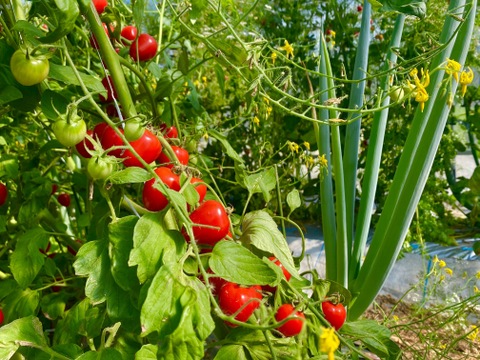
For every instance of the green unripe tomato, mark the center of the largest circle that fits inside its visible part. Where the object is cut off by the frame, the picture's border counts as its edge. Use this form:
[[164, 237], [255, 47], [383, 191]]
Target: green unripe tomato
[[28, 70], [69, 132], [100, 167]]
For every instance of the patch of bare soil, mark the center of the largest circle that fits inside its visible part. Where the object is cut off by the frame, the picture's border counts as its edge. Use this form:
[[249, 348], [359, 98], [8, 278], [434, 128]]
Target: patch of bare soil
[[429, 333]]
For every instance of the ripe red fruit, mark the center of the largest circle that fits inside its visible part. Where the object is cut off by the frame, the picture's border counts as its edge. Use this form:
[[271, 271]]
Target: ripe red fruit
[[3, 194], [286, 274], [111, 92], [148, 147], [291, 327], [169, 132], [182, 155], [108, 138], [85, 145], [64, 199], [143, 48], [239, 300], [100, 5], [215, 282], [1, 317], [359, 8], [153, 199], [335, 314], [211, 213], [129, 33], [200, 187]]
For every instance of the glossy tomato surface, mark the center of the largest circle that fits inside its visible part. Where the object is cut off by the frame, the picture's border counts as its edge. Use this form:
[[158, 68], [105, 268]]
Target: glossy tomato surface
[[211, 213], [100, 5], [143, 48], [108, 138], [335, 314], [28, 70], [128, 33], [293, 326], [239, 300], [64, 199], [200, 187], [148, 147], [153, 199], [85, 145], [3, 194], [182, 155], [169, 132]]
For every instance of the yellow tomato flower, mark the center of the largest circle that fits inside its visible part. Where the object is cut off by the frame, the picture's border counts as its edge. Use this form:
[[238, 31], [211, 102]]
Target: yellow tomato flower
[[435, 259], [267, 101], [269, 111], [332, 34], [475, 289], [466, 78], [256, 120], [449, 271], [477, 275], [293, 146], [205, 136], [442, 264], [473, 334], [309, 161], [329, 342], [273, 57], [204, 79], [421, 94], [395, 318], [307, 145], [453, 68], [288, 49], [322, 161]]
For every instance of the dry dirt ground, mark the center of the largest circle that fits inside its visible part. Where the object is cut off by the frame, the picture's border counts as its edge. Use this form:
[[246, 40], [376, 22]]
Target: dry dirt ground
[[429, 333]]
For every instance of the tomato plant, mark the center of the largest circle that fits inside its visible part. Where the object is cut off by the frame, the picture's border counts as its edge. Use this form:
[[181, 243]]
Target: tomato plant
[[169, 132], [27, 69], [182, 155], [100, 167], [129, 33], [286, 274], [200, 187], [293, 326], [70, 129], [93, 41], [144, 48], [100, 5], [3, 194], [86, 145], [335, 314], [148, 147], [210, 213], [64, 199], [239, 300], [109, 139], [153, 199]]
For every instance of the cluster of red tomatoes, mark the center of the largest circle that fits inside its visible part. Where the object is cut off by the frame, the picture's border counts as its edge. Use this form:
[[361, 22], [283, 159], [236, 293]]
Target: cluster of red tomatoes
[[143, 47]]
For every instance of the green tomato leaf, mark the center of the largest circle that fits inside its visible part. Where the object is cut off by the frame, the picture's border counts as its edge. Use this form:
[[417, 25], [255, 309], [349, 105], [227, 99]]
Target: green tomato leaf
[[474, 181], [229, 352], [9, 93], [375, 337], [27, 260], [103, 354], [53, 305], [263, 182], [183, 63], [21, 303], [25, 331], [66, 75], [130, 175], [226, 145], [261, 231], [293, 200], [220, 78], [237, 264], [416, 8], [120, 234], [147, 352], [66, 14], [53, 102], [152, 244]]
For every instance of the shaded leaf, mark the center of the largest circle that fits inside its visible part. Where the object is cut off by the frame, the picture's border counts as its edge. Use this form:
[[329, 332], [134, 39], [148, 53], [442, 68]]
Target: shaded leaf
[[226, 145], [66, 75], [130, 175]]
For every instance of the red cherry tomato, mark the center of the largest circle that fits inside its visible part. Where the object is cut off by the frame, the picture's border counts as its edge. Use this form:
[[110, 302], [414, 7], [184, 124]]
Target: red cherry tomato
[[108, 138], [153, 199], [169, 132], [291, 327], [85, 145], [200, 187], [215, 282], [148, 147], [211, 213], [143, 48], [3, 194], [240, 300], [286, 274], [129, 33], [111, 92], [335, 314], [100, 5], [54, 189], [1, 317], [182, 155], [64, 199]]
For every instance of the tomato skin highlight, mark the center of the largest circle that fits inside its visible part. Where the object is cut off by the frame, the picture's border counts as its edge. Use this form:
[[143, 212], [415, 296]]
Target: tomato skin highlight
[[64, 199], [293, 326], [3, 194], [335, 314], [28, 70], [144, 48], [182, 155], [153, 199], [148, 147], [211, 213], [233, 297]]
